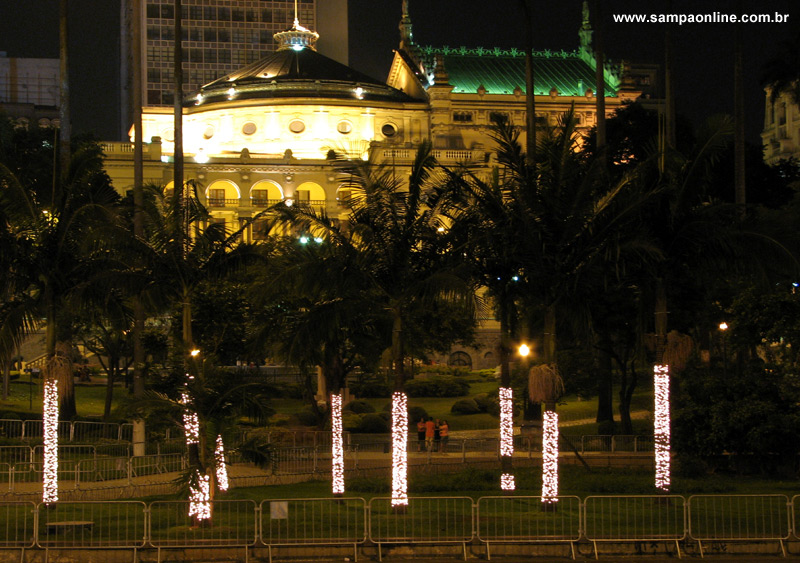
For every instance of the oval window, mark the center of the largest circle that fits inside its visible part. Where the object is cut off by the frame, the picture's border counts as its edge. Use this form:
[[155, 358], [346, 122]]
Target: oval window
[[389, 130], [344, 127], [297, 126], [249, 128]]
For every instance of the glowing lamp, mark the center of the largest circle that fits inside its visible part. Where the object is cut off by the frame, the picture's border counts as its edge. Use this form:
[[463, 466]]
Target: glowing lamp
[[661, 430], [194, 353], [549, 457], [337, 448], [723, 326], [524, 350], [399, 453], [50, 419]]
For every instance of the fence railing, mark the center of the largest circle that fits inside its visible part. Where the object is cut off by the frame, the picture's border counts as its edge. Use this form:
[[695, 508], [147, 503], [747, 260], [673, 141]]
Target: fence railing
[[71, 431], [455, 521]]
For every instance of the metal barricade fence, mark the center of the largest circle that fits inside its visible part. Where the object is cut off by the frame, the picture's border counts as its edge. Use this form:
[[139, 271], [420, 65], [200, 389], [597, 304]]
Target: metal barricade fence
[[634, 518], [17, 524], [739, 517], [67, 453], [235, 525], [88, 524], [795, 519], [157, 464], [425, 520], [527, 520], [5, 475], [320, 521], [83, 431], [102, 469], [126, 432], [297, 461], [32, 472], [10, 428], [114, 450], [15, 454]]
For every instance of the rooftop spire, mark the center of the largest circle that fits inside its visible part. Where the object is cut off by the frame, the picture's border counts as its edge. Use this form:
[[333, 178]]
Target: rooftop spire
[[297, 37], [406, 35], [585, 32]]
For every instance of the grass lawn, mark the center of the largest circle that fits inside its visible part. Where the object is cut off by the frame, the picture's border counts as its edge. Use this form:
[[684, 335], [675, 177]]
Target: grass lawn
[[25, 396]]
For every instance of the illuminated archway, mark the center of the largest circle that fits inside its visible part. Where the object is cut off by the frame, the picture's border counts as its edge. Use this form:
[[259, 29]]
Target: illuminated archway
[[265, 192], [310, 192], [222, 193]]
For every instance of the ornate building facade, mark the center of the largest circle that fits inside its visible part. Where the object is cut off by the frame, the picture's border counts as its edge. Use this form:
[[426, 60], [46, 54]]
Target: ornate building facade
[[263, 133], [781, 133]]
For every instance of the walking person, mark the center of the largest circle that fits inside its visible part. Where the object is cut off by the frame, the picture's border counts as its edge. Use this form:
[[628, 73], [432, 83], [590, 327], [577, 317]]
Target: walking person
[[429, 432], [444, 433], [420, 434]]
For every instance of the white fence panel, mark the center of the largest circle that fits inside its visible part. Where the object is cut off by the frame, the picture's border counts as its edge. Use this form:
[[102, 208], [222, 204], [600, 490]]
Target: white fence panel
[[17, 524], [313, 521], [234, 524]]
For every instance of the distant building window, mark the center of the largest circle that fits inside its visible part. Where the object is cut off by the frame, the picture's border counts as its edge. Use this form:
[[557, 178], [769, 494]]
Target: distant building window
[[297, 126], [389, 130], [498, 117], [260, 229], [462, 116]]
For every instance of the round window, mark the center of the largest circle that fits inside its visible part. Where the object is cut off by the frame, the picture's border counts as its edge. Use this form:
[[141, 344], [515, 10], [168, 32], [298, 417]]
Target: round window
[[297, 126], [344, 127], [208, 132], [389, 130], [249, 128]]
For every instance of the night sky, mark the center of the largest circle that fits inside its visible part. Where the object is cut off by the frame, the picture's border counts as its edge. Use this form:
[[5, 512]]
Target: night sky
[[703, 61]]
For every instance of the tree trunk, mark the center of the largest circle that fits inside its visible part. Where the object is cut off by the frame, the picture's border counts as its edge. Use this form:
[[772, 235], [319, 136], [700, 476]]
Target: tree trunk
[[65, 128], [178, 105], [111, 371], [549, 338], [605, 382], [398, 361], [661, 319], [61, 369], [600, 83], [626, 389], [739, 119], [669, 84], [530, 100]]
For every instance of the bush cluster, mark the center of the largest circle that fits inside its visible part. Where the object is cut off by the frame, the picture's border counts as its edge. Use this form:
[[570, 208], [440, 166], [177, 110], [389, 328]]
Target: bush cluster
[[437, 387], [371, 389]]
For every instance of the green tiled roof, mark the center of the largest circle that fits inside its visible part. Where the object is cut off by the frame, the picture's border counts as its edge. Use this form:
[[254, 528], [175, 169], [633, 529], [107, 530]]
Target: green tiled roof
[[501, 71]]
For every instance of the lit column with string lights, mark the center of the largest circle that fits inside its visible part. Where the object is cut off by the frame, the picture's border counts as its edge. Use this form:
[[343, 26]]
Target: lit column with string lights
[[200, 496], [549, 457], [337, 445], [221, 468], [50, 469], [662, 427], [399, 451], [507, 482]]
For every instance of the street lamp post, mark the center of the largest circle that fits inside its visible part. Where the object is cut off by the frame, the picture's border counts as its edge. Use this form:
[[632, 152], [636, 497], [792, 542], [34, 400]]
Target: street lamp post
[[723, 326]]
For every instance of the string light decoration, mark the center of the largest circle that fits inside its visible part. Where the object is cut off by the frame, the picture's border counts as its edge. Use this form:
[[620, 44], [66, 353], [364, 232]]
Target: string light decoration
[[222, 470], [50, 470], [337, 449], [191, 424], [661, 430], [506, 422], [507, 482], [399, 453], [200, 498], [549, 457]]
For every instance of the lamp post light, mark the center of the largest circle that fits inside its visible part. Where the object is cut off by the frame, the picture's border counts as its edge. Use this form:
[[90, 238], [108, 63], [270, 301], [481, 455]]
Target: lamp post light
[[723, 326], [524, 350]]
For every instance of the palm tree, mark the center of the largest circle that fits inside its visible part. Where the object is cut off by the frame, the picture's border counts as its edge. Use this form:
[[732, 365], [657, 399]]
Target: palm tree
[[536, 233], [394, 237], [54, 225]]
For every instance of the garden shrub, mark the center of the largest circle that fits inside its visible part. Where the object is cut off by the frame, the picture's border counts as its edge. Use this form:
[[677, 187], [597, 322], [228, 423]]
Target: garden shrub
[[415, 413], [307, 417], [351, 421], [465, 406], [359, 407], [371, 389], [372, 423], [437, 387], [483, 401]]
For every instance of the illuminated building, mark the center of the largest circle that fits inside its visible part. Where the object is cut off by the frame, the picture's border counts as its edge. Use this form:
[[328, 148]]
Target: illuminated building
[[781, 133], [262, 133]]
